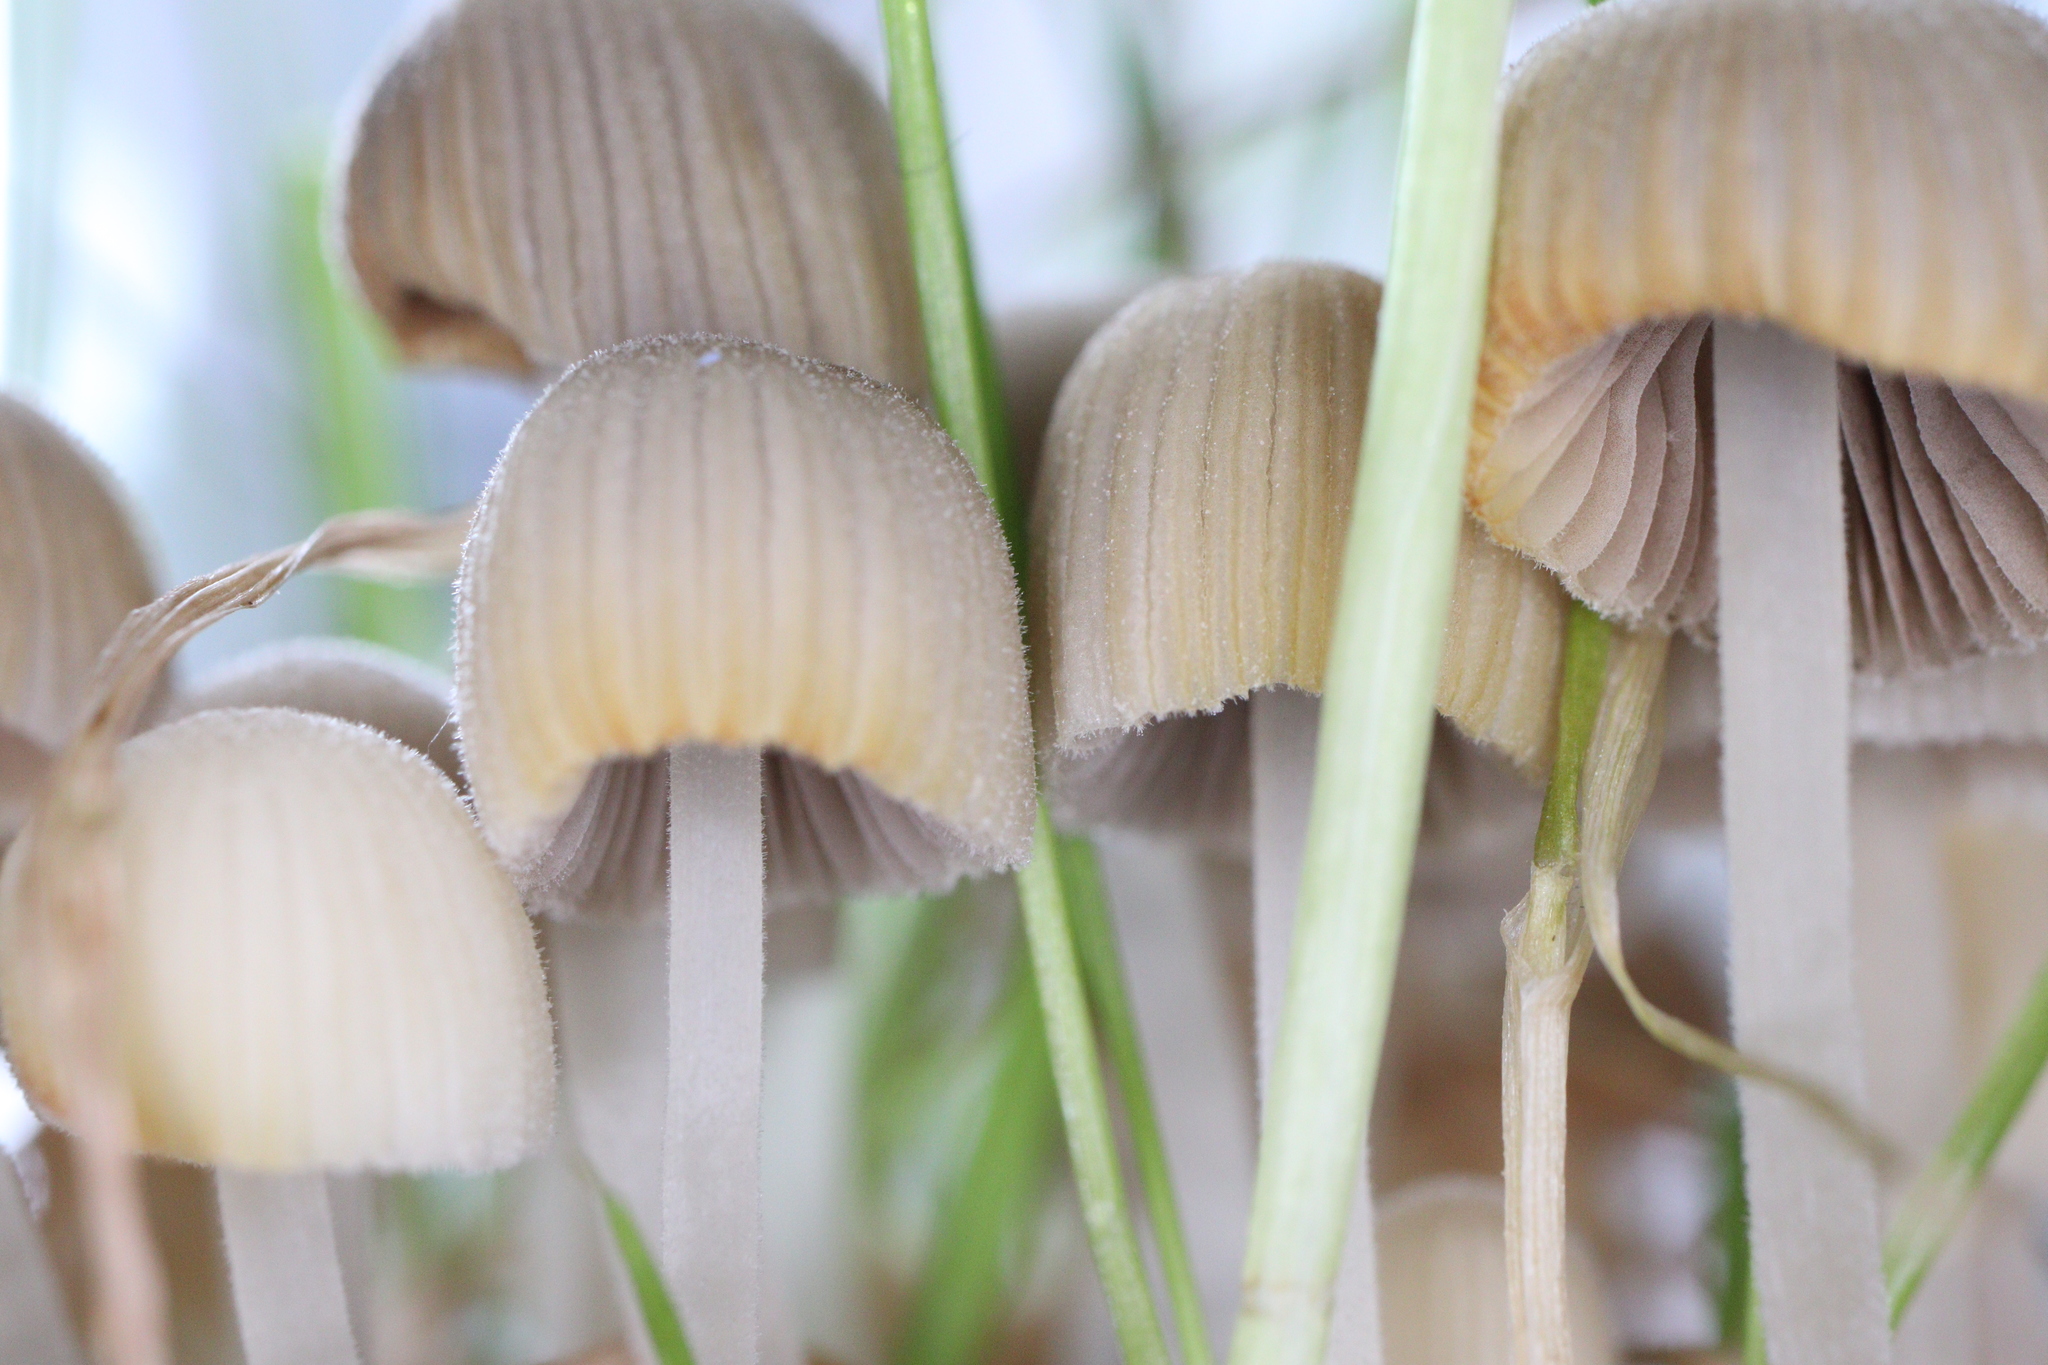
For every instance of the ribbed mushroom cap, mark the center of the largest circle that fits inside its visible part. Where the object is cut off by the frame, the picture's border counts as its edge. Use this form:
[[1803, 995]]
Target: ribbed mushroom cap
[[319, 965], [71, 568], [1442, 1252], [532, 180], [708, 541], [1868, 174], [353, 680], [1188, 532]]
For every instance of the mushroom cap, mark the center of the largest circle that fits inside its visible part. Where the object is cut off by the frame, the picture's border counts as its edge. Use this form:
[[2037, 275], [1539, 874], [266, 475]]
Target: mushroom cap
[[354, 680], [1188, 532], [319, 964], [709, 541], [1442, 1255], [730, 172], [71, 569], [1865, 173]]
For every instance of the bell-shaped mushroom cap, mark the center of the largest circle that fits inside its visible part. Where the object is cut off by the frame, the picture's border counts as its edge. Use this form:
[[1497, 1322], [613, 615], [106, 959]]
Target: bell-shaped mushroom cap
[[318, 963], [1188, 533], [1442, 1253], [708, 541], [1671, 160], [71, 569], [533, 180], [352, 680]]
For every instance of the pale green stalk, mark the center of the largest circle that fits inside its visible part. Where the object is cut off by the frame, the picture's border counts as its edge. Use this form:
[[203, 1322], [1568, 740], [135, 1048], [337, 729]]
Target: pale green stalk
[[1377, 696], [657, 1312], [1102, 969], [1942, 1192], [967, 393]]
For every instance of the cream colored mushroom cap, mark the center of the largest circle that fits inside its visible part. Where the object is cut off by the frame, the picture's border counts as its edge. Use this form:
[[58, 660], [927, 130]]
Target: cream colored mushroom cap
[[319, 964], [533, 180], [1866, 173], [392, 693], [708, 541], [1187, 540], [71, 569], [1442, 1256]]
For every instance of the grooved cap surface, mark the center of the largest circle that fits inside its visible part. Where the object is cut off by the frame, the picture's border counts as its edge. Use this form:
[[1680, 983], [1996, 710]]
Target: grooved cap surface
[[533, 180], [1868, 173], [1188, 534], [71, 569], [319, 963], [709, 541], [354, 680]]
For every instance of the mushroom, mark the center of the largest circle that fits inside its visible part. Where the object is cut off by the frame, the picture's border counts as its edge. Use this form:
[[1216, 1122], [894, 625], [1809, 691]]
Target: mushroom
[[71, 567], [354, 680], [1762, 361], [1187, 530], [533, 180], [768, 593], [63, 892], [320, 968], [1442, 1245]]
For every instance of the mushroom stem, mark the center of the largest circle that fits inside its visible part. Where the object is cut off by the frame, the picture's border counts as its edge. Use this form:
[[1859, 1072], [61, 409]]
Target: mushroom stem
[[290, 1301], [1547, 951], [711, 1151], [33, 1325], [1784, 633], [1284, 724], [610, 988]]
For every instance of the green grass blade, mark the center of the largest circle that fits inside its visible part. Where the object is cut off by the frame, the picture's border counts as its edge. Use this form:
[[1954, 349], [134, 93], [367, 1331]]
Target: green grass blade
[[664, 1326], [966, 388], [968, 396], [1940, 1195], [1102, 969], [1377, 697], [1084, 1103], [1584, 682]]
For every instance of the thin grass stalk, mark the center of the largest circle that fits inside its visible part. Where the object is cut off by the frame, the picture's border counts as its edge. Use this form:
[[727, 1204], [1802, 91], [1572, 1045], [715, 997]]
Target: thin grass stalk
[[1377, 698], [967, 394], [1548, 948], [1102, 971], [1940, 1195]]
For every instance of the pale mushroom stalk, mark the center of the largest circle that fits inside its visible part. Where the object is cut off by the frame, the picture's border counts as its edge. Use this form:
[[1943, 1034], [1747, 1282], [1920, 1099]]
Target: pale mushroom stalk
[[1547, 952], [711, 1144], [284, 1268], [967, 394], [1784, 631]]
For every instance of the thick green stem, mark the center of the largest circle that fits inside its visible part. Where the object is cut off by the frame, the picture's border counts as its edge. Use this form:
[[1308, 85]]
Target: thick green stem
[[1377, 697], [1941, 1193], [967, 394], [1102, 969]]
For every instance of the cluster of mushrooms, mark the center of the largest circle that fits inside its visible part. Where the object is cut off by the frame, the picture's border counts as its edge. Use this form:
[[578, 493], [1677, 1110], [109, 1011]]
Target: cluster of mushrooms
[[1757, 551]]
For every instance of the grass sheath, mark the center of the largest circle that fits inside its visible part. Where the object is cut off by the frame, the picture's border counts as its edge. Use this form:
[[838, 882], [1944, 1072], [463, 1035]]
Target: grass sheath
[[966, 392], [1940, 1195], [1547, 948], [1377, 698]]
